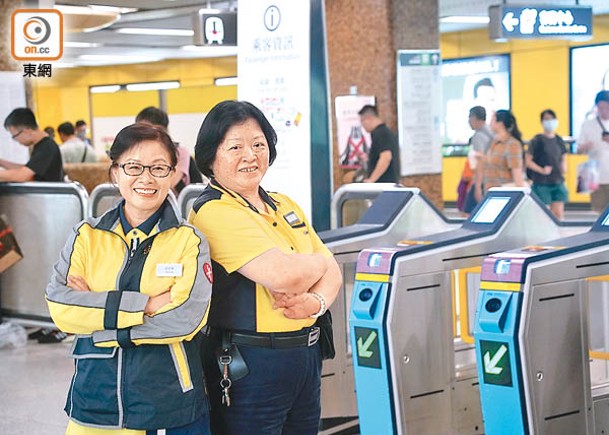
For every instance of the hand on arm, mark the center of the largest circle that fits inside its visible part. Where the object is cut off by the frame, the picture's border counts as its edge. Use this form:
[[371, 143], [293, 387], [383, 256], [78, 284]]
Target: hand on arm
[[285, 273], [306, 305], [544, 170]]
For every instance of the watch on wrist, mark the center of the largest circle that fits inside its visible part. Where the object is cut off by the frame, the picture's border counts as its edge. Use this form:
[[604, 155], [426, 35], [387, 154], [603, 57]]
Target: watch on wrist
[[323, 307]]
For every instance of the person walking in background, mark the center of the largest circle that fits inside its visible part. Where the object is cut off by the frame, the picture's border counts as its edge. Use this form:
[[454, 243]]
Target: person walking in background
[[502, 165], [594, 140], [479, 145], [384, 156], [45, 163], [545, 157], [133, 285], [82, 131], [186, 168], [74, 150], [273, 277]]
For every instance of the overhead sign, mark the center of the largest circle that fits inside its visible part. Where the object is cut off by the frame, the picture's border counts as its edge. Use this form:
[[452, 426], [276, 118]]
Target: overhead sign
[[215, 29], [496, 361], [528, 22], [368, 351]]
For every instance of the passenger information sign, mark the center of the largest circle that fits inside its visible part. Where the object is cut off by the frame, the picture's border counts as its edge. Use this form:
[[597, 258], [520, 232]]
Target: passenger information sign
[[496, 363], [507, 22], [368, 351]]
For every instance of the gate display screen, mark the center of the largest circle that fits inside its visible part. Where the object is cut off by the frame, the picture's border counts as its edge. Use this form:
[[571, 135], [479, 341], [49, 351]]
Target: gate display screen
[[490, 210]]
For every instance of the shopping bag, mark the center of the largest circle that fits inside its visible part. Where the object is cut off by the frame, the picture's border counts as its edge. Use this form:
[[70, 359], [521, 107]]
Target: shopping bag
[[587, 177], [9, 249]]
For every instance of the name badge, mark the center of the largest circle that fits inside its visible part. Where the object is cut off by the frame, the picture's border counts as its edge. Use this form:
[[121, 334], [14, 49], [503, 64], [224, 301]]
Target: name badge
[[293, 219], [169, 269]]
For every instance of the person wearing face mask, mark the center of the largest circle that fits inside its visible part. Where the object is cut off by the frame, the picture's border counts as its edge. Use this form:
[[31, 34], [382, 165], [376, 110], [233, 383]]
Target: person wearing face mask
[[545, 158], [81, 131]]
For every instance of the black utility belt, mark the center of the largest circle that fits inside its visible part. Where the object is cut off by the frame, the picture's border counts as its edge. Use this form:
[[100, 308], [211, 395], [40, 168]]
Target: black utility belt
[[276, 340]]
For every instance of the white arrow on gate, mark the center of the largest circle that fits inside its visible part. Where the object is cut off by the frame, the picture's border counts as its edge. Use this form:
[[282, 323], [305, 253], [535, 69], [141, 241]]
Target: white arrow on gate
[[490, 364], [510, 21], [363, 346]]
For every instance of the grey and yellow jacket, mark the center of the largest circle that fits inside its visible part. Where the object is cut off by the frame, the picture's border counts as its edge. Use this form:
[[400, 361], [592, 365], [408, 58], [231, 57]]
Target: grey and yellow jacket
[[132, 370]]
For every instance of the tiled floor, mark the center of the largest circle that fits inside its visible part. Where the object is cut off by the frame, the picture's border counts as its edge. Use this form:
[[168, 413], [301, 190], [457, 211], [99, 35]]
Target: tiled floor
[[34, 381]]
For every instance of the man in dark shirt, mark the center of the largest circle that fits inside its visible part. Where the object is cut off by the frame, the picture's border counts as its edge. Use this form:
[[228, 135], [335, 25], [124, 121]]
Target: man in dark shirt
[[45, 162], [384, 156]]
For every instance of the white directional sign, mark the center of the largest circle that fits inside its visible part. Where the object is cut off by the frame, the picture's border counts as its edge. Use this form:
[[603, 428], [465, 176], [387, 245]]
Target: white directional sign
[[540, 21]]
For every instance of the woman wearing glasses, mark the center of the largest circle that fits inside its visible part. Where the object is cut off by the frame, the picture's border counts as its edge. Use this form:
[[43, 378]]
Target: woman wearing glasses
[[133, 285]]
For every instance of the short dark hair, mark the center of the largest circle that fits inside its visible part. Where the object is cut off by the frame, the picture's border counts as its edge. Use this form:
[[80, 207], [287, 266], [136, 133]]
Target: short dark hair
[[66, 128], [602, 96], [80, 123], [216, 124], [368, 109], [547, 112], [478, 112], [134, 134], [153, 116], [21, 117], [482, 82]]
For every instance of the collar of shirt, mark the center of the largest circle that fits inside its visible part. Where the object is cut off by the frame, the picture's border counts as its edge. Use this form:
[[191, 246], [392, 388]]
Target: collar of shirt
[[244, 202], [146, 226]]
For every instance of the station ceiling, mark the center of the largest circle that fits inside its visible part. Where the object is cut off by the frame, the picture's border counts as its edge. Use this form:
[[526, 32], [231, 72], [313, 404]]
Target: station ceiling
[[110, 46]]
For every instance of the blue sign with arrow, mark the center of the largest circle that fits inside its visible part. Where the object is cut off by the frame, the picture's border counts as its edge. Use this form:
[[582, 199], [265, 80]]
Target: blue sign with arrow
[[529, 22]]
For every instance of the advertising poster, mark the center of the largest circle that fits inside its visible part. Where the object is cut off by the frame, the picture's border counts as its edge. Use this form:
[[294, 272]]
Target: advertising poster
[[589, 75], [477, 81], [419, 94], [353, 141], [274, 75]]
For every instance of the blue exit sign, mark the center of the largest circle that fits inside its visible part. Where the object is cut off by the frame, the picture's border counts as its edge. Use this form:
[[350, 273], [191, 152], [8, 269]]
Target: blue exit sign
[[530, 22]]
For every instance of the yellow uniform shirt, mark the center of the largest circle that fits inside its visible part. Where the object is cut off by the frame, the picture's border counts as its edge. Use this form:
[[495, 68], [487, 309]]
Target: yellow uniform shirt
[[237, 233]]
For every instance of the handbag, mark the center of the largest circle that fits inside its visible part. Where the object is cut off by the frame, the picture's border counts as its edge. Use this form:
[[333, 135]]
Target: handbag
[[326, 336], [9, 249]]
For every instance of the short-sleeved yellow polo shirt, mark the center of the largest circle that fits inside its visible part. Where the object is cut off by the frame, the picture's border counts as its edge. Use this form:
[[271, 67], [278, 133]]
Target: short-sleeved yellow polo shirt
[[237, 233]]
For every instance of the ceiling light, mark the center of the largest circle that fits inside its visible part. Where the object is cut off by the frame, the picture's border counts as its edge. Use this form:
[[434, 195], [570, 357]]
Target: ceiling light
[[225, 81], [111, 59], [114, 9], [152, 31], [152, 86], [74, 44], [107, 89], [465, 19]]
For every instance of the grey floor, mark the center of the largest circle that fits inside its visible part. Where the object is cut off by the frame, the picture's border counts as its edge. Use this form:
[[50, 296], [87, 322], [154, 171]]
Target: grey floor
[[34, 381]]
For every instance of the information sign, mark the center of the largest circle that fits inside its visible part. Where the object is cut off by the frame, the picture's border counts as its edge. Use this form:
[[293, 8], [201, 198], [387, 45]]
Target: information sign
[[507, 22]]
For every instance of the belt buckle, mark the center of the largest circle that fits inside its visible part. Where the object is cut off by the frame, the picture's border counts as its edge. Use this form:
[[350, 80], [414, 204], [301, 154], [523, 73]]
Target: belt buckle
[[313, 336]]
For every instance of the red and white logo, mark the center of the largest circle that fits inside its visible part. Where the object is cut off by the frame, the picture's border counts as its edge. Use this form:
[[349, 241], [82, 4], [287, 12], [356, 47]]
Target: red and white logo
[[209, 274]]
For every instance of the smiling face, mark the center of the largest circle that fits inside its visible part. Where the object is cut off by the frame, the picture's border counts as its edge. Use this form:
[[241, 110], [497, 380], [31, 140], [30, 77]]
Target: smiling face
[[242, 158], [144, 193]]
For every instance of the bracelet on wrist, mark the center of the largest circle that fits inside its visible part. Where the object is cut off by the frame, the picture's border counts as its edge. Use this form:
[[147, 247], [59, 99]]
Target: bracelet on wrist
[[323, 307]]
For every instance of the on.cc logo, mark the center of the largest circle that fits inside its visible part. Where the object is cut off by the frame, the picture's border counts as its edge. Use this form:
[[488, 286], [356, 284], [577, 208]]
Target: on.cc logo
[[36, 30]]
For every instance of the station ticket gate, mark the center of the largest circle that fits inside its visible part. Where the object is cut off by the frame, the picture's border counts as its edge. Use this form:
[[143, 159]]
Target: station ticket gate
[[536, 321], [395, 213], [42, 216], [401, 319]]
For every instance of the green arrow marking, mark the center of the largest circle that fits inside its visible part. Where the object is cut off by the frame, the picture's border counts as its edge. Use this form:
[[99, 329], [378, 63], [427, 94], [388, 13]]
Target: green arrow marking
[[362, 347], [490, 364]]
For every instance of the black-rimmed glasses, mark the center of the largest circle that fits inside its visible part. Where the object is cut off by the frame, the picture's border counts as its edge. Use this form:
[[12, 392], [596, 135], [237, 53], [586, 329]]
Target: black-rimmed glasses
[[16, 134], [137, 169]]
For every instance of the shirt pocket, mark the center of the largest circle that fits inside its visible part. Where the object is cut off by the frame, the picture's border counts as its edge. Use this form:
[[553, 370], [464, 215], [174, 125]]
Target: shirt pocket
[[84, 348]]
